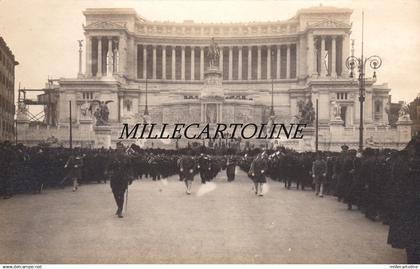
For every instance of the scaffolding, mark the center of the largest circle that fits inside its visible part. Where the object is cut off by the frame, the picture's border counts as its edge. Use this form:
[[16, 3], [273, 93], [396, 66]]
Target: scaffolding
[[47, 98]]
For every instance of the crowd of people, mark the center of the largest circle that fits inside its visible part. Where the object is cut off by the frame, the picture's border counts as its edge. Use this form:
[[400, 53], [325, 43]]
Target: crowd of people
[[383, 184]]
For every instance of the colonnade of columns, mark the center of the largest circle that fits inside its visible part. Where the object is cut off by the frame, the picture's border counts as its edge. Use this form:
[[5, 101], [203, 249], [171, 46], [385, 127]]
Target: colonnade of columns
[[327, 55], [262, 62], [103, 55]]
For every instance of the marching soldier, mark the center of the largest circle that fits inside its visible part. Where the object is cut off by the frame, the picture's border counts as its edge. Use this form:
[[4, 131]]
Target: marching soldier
[[204, 167], [119, 180], [186, 168], [75, 163], [257, 172]]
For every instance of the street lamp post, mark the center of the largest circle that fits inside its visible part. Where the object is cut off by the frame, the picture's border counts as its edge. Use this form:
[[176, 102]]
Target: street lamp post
[[361, 63], [146, 110], [272, 86]]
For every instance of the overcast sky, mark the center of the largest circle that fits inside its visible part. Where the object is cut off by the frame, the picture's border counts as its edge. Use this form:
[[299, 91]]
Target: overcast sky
[[42, 33]]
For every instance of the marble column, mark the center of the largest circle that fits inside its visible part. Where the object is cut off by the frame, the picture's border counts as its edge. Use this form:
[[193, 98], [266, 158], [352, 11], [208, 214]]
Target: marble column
[[88, 70], [268, 62], [99, 74], [278, 62], [310, 54], [249, 62], [183, 63], [221, 61], [259, 63], [297, 48], [333, 57], [202, 113], [288, 62], [173, 63], [344, 54], [134, 58], [192, 63], [122, 48], [201, 63], [144, 61], [239, 63], [322, 60], [154, 62], [109, 59], [121, 106], [164, 62], [230, 63]]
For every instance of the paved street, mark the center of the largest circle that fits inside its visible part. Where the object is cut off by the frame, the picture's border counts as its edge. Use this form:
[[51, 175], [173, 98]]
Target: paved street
[[220, 223]]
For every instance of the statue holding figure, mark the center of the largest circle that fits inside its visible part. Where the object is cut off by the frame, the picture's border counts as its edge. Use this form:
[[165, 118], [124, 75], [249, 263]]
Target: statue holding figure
[[213, 54], [101, 112]]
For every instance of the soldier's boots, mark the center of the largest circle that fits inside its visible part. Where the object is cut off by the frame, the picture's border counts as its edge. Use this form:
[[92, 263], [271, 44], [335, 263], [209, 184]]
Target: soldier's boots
[[189, 188], [119, 213]]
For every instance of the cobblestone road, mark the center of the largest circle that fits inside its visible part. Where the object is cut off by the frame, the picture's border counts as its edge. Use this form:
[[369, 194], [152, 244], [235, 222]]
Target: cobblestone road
[[220, 223]]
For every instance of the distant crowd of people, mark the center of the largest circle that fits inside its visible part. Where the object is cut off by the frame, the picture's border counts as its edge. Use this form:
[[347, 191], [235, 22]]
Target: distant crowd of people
[[383, 184]]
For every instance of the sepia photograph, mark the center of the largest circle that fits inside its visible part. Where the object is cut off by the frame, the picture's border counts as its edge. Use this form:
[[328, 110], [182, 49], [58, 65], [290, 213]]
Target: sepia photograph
[[139, 132]]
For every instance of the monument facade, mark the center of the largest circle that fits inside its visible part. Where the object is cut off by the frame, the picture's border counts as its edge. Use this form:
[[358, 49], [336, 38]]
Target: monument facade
[[171, 72]]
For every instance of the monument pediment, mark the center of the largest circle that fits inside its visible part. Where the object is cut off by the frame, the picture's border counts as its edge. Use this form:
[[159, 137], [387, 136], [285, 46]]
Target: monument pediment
[[328, 24], [108, 25]]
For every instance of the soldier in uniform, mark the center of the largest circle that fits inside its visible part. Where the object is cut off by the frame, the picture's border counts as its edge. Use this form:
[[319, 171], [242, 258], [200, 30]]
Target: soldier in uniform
[[37, 170], [343, 167], [354, 195], [186, 168], [257, 172], [230, 168], [154, 167], [75, 164], [180, 171], [319, 168], [204, 167], [119, 180], [329, 188], [288, 169]]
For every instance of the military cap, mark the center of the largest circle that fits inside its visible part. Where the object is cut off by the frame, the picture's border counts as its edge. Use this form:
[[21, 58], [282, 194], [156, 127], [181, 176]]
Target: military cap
[[344, 147]]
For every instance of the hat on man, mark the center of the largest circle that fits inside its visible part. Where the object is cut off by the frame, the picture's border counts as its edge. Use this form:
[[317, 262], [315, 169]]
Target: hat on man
[[344, 147]]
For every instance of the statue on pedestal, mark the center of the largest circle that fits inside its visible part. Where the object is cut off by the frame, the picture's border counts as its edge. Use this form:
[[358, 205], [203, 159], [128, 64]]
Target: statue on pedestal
[[213, 54], [404, 113], [336, 111], [306, 112]]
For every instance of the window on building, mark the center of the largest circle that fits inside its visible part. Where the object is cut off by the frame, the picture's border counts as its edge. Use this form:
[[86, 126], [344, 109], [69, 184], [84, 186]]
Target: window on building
[[87, 95], [342, 96]]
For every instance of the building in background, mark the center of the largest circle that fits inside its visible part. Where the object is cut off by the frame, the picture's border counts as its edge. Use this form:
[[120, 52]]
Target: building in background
[[7, 92], [269, 71]]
